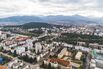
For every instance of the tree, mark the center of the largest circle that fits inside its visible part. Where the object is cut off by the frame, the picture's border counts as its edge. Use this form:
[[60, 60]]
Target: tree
[[42, 47], [38, 52], [15, 53], [49, 66], [43, 65], [83, 58], [1, 48], [26, 49]]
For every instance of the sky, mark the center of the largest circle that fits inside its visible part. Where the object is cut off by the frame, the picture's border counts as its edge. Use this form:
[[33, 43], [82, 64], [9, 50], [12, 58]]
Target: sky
[[90, 8]]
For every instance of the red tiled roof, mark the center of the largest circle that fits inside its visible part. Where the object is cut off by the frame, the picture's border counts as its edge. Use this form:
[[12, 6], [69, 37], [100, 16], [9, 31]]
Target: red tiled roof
[[20, 38], [60, 61], [3, 67]]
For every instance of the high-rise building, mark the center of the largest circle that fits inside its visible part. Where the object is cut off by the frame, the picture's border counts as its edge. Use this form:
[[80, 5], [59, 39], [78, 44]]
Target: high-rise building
[[38, 47]]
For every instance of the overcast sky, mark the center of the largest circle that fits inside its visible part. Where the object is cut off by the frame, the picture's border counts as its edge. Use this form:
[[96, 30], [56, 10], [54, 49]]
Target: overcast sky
[[93, 8]]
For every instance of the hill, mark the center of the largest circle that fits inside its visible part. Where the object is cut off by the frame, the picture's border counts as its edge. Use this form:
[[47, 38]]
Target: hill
[[54, 19], [36, 25], [20, 19], [32, 25]]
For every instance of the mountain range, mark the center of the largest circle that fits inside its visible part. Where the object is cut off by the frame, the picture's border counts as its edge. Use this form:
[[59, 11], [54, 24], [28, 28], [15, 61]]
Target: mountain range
[[57, 19]]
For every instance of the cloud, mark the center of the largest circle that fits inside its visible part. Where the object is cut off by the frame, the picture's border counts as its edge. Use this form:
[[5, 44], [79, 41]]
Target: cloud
[[51, 7], [60, 1]]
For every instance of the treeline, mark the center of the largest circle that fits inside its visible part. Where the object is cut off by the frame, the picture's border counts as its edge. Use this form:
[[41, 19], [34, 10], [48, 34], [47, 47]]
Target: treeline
[[73, 38]]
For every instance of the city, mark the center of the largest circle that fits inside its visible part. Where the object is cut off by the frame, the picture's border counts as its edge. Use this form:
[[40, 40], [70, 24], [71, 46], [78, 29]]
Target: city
[[70, 47], [51, 34]]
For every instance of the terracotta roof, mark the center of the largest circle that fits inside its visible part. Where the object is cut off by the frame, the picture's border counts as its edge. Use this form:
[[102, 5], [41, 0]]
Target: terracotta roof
[[59, 61], [22, 38], [3, 67]]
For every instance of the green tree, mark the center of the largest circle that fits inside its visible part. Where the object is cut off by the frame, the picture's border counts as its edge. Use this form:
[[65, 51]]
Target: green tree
[[49, 66], [15, 53], [1, 48]]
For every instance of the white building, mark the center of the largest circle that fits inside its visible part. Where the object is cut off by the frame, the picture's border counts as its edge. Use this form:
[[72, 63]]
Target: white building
[[38, 47], [62, 53], [78, 55], [29, 43], [3, 36], [20, 50]]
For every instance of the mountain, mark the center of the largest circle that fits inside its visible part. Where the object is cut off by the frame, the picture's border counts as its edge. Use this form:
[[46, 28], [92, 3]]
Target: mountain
[[36, 25], [65, 18], [57, 19], [75, 19], [33, 25], [20, 19]]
